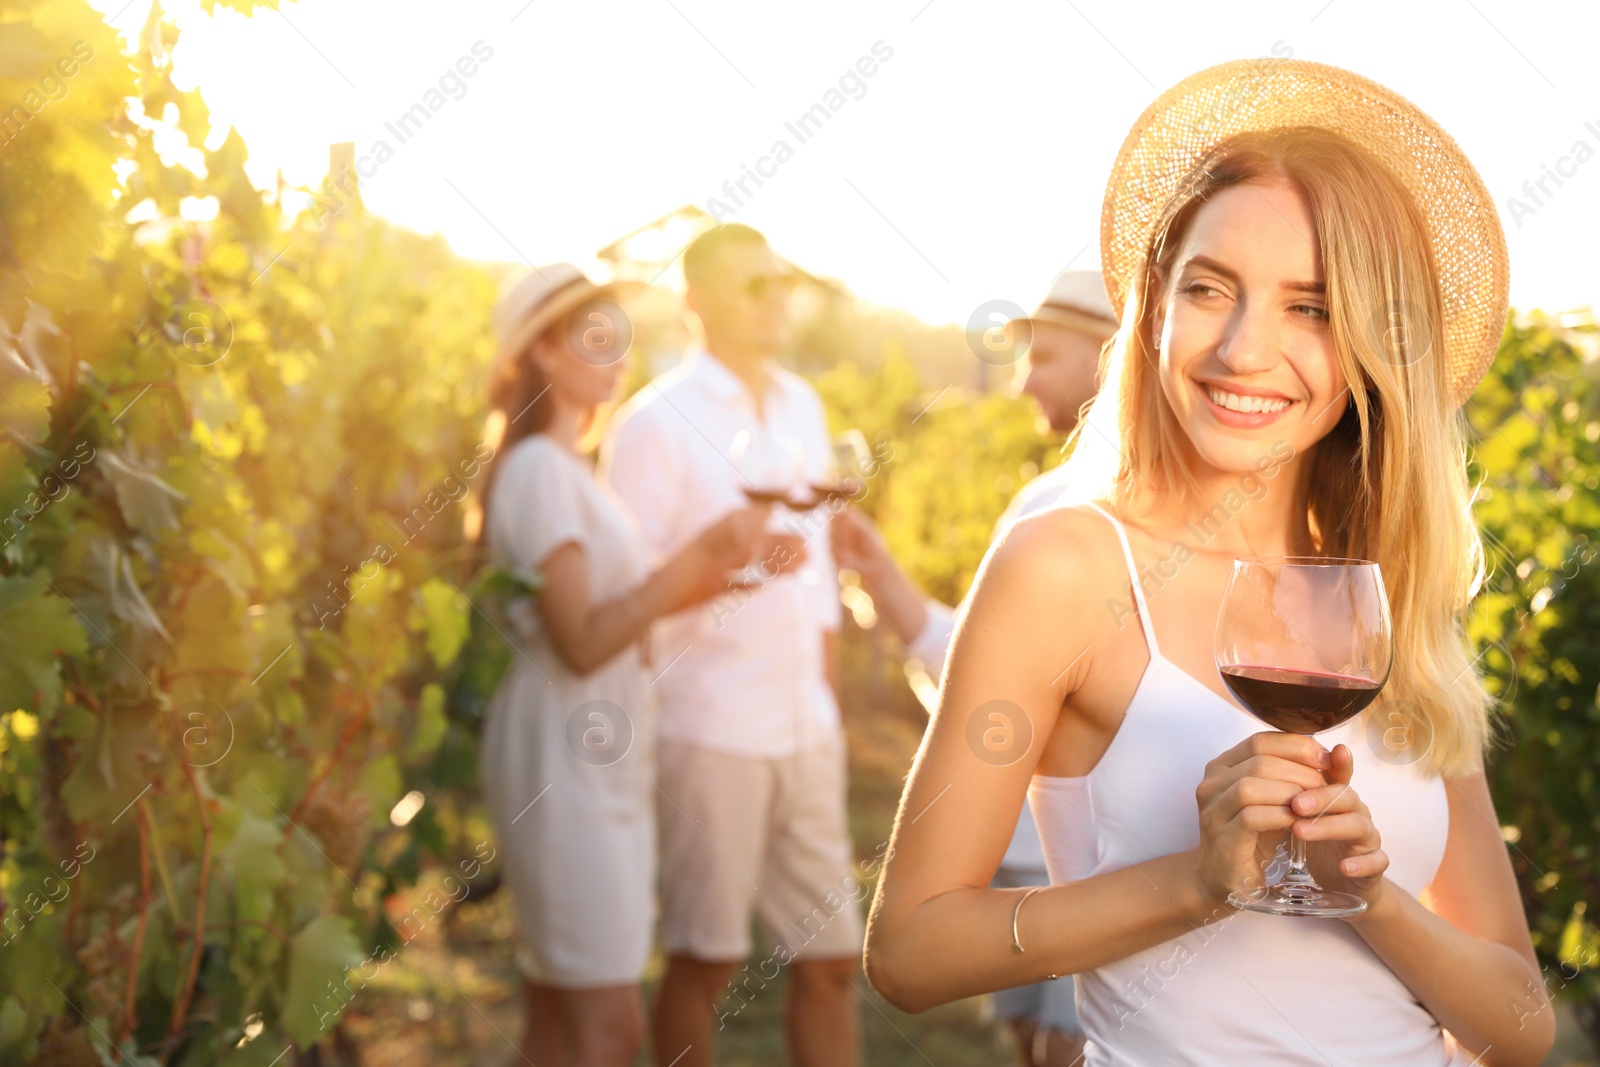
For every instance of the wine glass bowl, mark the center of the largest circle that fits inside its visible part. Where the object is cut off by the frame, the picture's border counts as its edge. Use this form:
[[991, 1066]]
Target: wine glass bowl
[[848, 463], [772, 467], [1304, 643]]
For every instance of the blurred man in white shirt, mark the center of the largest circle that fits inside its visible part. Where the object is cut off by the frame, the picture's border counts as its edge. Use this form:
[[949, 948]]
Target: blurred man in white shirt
[[1058, 371], [751, 807]]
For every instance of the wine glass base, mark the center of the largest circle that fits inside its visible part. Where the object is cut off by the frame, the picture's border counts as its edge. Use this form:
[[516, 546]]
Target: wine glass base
[[1310, 901]]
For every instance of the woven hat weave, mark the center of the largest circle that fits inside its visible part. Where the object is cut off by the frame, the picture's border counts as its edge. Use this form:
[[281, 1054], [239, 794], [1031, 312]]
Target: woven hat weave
[[535, 298], [1192, 117]]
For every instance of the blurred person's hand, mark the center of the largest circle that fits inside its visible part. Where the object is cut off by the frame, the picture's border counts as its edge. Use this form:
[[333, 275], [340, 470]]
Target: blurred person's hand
[[858, 546], [730, 542], [780, 552]]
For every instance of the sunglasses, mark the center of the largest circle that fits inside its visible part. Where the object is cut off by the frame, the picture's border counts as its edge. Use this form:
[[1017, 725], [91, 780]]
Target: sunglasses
[[763, 285]]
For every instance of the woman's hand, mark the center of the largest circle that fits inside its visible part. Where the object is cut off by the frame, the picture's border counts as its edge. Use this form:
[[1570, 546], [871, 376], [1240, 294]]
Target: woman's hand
[[722, 547], [1343, 849], [730, 542], [738, 539], [857, 544], [1244, 801]]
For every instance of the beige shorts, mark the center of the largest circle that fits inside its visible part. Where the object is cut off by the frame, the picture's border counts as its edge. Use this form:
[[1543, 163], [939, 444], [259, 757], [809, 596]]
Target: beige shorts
[[765, 835]]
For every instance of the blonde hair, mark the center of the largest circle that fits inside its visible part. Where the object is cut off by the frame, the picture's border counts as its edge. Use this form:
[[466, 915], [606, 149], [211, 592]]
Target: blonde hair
[[1389, 482]]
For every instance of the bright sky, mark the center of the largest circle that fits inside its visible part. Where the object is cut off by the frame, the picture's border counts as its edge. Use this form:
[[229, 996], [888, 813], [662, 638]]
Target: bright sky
[[971, 169]]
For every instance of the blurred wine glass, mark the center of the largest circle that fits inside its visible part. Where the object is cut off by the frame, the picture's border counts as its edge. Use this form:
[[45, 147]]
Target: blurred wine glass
[[772, 466], [848, 464]]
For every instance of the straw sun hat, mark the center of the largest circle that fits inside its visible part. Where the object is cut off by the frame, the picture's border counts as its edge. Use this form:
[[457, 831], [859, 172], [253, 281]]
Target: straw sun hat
[[1189, 119], [533, 300]]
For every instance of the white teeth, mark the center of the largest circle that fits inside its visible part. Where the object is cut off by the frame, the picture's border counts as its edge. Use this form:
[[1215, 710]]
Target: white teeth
[[1246, 404]]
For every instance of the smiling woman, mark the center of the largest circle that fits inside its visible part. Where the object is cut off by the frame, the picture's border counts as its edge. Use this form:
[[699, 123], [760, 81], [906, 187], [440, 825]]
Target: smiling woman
[[1288, 278]]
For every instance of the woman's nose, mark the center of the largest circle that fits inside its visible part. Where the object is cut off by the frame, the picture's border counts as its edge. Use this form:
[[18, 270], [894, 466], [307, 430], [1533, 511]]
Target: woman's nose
[[1250, 341]]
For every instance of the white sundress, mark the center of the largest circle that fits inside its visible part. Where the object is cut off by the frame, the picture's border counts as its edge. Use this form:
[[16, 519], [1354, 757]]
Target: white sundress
[[568, 761]]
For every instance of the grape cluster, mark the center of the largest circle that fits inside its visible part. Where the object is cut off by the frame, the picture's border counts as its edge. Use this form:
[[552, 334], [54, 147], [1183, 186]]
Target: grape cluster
[[339, 821], [104, 965]]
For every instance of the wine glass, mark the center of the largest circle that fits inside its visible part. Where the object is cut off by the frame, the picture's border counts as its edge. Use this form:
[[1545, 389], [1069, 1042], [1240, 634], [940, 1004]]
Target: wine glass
[[848, 467], [772, 466], [772, 469], [1305, 643]]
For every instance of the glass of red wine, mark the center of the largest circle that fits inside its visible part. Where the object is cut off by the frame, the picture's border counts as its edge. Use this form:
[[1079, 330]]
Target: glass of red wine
[[771, 466], [771, 469], [1305, 643], [848, 464]]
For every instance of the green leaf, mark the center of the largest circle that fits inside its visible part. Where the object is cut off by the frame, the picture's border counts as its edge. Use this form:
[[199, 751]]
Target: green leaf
[[257, 867], [147, 502], [318, 955], [12, 1021], [381, 782], [444, 614], [24, 397], [35, 626], [431, 721]]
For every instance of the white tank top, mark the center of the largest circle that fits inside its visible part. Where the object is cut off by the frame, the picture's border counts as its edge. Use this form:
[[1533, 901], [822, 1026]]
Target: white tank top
[[1246, 990]]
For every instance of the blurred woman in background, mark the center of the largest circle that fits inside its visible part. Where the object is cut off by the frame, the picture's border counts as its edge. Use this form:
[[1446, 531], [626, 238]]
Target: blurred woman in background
[[568, 747]]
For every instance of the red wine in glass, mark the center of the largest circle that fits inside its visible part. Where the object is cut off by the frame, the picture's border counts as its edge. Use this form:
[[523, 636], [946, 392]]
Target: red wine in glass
[[1299, 702], [1305, 643], [830, 492], [767, 496]]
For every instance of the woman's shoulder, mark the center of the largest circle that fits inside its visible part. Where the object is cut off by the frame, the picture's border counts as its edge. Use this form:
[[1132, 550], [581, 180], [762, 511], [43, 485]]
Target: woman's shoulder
[[537, 451], [1059, 550], [539, 464], [1066, 533]]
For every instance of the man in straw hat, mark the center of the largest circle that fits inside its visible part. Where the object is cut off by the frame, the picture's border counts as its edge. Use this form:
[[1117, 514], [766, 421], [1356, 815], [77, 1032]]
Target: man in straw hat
[[1061, 344], [752, 756]]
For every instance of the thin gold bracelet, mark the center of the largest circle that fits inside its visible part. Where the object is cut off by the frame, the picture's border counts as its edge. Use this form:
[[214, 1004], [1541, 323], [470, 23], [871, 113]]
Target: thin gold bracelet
[[1016, 913]]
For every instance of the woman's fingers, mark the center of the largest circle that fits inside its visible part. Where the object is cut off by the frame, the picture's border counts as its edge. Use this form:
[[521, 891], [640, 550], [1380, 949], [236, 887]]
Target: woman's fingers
[[1327, 800], [1366, 866], [1263, 818], [1298, 748], [1256, 805], [1352, 826], [1286, 770], [1343, 765], [1222, 777], [1250, 792]]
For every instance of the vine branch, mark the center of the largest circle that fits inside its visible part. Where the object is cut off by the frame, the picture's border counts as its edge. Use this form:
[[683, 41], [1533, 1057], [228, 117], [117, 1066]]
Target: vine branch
[[180, 1007]]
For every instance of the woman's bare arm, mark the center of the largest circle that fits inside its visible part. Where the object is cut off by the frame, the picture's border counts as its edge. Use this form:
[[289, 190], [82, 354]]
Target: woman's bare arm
[[937, 932], [587, 634], [1469, 959]]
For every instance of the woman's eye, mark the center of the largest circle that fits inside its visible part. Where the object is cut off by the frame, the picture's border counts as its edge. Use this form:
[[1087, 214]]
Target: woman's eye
[[1199, 289], [1312, 311]]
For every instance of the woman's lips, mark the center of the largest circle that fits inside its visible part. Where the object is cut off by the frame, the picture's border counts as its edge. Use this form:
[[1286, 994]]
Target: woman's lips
[[1244, 420]]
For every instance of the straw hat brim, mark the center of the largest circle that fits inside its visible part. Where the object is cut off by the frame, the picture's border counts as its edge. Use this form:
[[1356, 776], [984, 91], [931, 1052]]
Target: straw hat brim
[[557, 307], [1192, 117]]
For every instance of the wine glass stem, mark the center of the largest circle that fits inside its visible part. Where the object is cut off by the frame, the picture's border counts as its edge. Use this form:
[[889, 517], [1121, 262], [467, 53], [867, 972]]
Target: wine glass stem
[[1297, 862]]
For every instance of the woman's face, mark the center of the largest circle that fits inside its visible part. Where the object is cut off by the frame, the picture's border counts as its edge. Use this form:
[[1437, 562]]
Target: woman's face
[[1247, 360], [578, 360]]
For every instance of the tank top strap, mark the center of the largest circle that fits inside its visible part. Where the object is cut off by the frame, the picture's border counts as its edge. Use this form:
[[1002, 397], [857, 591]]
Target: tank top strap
[[1133, 578]]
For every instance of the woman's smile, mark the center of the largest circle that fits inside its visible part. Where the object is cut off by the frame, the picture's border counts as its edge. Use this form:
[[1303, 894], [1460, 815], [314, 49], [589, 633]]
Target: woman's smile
[[1242, 407]]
